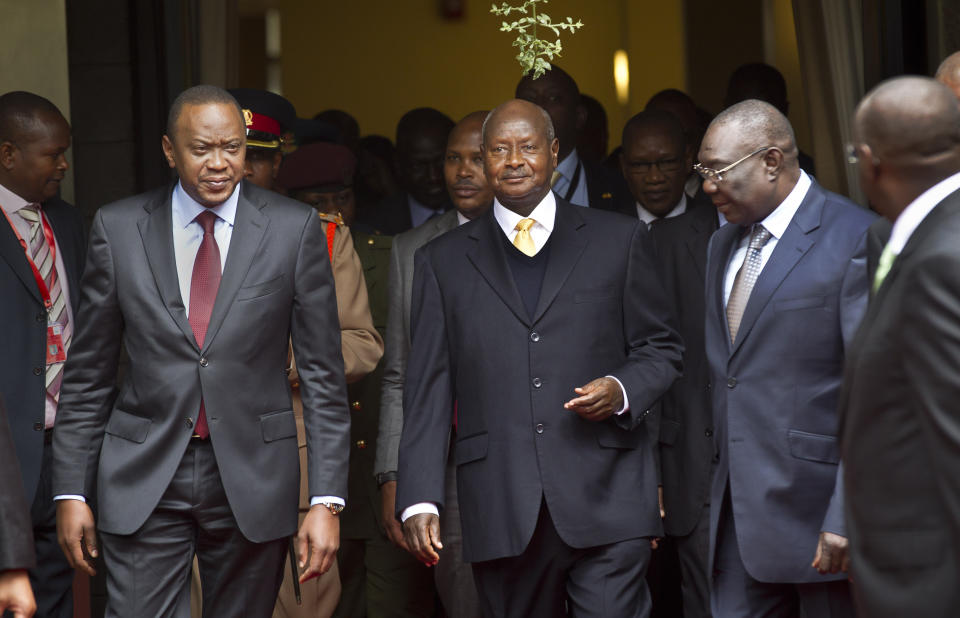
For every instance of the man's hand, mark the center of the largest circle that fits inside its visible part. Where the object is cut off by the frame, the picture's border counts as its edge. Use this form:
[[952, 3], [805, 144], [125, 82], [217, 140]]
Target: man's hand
[[832, 554], [317, 542], [388, 506], [422, 534], [663, 512], [16, 596], [76, 534], [598, 400]]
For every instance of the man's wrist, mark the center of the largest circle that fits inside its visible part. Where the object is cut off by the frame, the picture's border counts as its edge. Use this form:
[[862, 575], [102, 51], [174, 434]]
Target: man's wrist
[[419, 508], [69, 497]]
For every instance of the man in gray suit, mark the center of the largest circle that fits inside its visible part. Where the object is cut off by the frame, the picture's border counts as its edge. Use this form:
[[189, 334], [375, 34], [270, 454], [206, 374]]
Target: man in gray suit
[[472, 196], [786, 287], [203, 283]]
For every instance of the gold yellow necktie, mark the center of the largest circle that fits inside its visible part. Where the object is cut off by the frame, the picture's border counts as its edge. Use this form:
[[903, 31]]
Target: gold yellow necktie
[[523, 240], [883, 267], [555, 177]]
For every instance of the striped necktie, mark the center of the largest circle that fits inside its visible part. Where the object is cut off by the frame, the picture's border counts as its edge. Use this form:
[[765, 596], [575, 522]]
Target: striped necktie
[[43, 258], [745, 279]]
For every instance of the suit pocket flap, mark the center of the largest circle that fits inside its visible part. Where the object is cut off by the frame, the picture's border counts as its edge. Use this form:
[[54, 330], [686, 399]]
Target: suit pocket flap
[[793, 304], [278, 425], [260, 289], [813, 446], [470, 448], [128, 426], [611, 436], [669, 430]]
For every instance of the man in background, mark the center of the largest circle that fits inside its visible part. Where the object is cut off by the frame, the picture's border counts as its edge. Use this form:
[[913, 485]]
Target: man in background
[[268, 117], [17, 554]]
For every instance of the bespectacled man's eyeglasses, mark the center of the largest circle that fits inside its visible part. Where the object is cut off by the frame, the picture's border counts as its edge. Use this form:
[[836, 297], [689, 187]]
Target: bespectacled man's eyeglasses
[[716, 176]]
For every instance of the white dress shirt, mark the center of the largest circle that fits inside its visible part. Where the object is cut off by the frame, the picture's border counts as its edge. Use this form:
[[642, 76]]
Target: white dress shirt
[[917, 210], [568, 169], [648, 217], [11, 203], [776, 223], [544, 215]]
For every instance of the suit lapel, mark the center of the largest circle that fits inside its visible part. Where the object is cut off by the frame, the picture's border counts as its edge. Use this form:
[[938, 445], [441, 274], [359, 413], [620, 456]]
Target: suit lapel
[[156, 231], [488, 257], [12, 252], [703, 223], [249, 226], [566, 247], [724, 243], [796, 241]]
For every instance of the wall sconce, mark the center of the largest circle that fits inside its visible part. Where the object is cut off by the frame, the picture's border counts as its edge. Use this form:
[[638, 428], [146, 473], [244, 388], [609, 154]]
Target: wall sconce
[[621, 76]]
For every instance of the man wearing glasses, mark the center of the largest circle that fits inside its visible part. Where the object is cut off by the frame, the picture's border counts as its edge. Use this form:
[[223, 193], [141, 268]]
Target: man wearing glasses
[[786, 286]]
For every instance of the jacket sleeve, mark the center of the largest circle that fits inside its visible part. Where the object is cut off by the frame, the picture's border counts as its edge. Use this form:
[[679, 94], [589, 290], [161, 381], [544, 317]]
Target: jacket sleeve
[[16, 531], [362, 344], [394, 367]]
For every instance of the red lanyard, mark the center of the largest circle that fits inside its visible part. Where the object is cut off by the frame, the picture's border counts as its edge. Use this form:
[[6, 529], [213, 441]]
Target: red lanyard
[[48, 235]]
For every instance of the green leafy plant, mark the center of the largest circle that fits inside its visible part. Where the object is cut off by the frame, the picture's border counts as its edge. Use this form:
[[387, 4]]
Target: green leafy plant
[[535, 53]]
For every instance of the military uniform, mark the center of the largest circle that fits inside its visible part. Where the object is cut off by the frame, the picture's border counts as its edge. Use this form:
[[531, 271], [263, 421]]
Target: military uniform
[[378, 578]]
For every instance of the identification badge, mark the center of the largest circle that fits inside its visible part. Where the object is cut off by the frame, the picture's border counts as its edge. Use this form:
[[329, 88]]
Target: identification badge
[[55, 351]]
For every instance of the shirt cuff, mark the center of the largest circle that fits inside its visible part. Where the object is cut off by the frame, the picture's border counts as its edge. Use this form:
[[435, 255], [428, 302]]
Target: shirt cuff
[[626, 400], [328, 499], [417, 509], [69, 497]]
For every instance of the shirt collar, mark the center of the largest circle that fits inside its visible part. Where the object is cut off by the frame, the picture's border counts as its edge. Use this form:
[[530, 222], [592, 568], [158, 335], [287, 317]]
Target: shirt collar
[[544, 214], [917, 210], [11, 201], [461, 219], [568, 166], [777, 221], [186, 209], [648, 217]]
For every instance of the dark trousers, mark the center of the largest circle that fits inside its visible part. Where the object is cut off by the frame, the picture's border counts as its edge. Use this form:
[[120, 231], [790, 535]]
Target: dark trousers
[[692, 551], [736, 594], [148, 572], [453, 576], [551, 579], [52, 579]]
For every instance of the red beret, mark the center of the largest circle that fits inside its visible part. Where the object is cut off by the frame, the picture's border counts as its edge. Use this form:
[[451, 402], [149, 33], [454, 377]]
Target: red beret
[[317, 165]]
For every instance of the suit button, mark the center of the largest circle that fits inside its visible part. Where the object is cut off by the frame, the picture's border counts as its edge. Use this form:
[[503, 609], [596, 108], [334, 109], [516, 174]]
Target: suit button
[[189, 422], [203, 361], [708, 433], [38, 426], [709, 386], [355, 406], [731, 382], [37, 371], [534, 336], [539, 427], [537, 383], [361, 444]]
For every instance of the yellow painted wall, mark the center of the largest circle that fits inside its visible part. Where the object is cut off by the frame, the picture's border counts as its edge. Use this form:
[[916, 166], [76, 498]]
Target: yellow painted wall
[[786, 57], [380, 58], [33, 54]]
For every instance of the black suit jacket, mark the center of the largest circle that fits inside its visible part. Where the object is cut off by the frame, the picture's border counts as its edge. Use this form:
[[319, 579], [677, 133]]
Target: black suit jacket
[[276, 283], [607, 190], [601, 311], [686, 421], [900, 430], [23, 351], [16, 531]]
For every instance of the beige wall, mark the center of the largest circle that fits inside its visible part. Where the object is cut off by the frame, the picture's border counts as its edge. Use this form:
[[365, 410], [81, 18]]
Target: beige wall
[[380, 58], [33, 54]]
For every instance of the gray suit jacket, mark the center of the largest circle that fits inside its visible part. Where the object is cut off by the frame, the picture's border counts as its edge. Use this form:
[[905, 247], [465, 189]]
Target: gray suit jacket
[[900, 427], [276, 283], [397, 344], [776, 388]]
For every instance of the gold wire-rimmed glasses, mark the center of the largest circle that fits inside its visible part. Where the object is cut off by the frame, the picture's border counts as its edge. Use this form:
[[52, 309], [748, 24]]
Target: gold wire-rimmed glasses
[[716, 176]]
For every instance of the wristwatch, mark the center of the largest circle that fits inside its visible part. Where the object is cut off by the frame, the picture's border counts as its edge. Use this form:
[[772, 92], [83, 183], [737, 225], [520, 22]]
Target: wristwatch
[[333, 507]]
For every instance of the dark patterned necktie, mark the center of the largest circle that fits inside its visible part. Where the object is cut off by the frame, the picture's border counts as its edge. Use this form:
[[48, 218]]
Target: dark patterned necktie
[[745, 279], [203, 293]]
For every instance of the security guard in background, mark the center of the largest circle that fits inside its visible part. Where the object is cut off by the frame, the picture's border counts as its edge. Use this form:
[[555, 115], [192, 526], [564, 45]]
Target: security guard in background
[[269, 117], [377, 578]]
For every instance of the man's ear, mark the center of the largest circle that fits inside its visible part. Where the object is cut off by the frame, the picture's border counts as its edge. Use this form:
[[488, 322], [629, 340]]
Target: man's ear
[[8, 154], [555, 151], [277, 160], [773, 160], [168, 151]]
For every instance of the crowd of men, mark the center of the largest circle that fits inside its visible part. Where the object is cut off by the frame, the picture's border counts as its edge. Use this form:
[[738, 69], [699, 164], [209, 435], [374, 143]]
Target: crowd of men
[[485, 369]]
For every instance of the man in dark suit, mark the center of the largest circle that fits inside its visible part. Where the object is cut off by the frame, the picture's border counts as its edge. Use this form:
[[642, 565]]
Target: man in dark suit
[[578, 182], [899, 418], [203, 283], [33, 139], [421, 142], [472, 197], [547, 327], [786, 287], [16, 535]]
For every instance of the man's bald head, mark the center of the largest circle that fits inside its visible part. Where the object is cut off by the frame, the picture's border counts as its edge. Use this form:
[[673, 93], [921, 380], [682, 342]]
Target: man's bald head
[[522, 107], [907, 133], [949, 73], [758, 124]]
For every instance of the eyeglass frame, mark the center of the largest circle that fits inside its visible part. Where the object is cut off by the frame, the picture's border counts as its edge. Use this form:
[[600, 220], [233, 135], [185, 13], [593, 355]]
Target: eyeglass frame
[[670, 161], [716, 176]]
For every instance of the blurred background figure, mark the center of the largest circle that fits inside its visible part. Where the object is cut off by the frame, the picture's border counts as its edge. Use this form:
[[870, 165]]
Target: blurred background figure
[[594, 137], [268, 116]]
